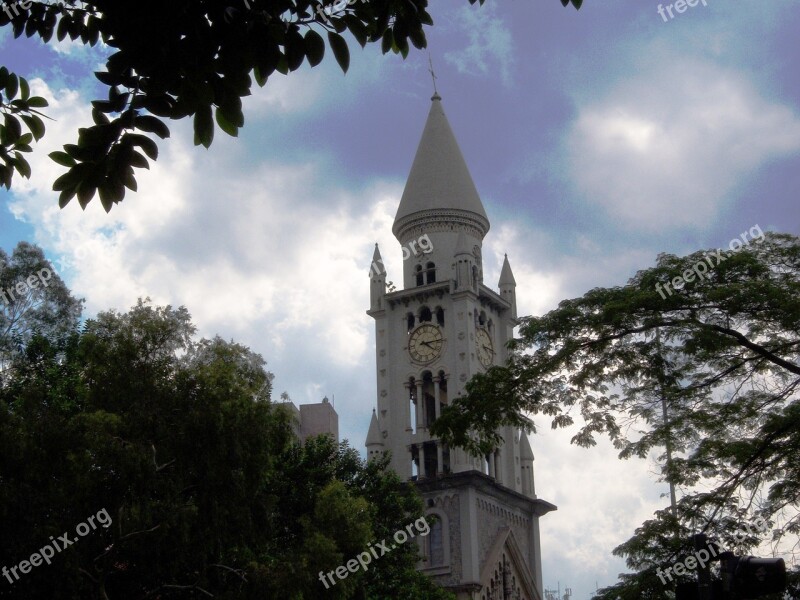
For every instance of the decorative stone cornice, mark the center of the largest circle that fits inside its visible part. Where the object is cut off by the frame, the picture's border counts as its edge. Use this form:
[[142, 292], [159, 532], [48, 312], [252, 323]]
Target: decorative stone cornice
[[440, 219], [418, 294]]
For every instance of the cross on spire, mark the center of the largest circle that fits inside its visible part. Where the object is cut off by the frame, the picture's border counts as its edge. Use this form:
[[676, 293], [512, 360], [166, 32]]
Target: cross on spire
[[433, 75]]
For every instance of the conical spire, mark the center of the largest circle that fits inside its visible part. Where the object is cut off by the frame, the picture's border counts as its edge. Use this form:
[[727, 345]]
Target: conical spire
[[376, 268], [374, 433], [506, 276], [439, 178]]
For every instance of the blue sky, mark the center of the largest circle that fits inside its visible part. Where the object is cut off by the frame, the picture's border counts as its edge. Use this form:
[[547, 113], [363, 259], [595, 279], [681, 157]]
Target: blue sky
[[597, 139]]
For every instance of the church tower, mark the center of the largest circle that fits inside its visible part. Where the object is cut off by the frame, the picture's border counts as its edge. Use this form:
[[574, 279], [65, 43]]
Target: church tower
[[432, 335]]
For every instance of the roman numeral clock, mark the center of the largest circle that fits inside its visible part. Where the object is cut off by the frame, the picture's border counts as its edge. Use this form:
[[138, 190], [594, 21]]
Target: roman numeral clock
[[425, 344]]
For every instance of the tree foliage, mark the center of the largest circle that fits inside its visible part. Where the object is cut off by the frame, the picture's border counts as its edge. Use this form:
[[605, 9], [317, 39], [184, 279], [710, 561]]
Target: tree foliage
[[180, 59], [33, 299], [719, 354], [19, 109], [210, 492]]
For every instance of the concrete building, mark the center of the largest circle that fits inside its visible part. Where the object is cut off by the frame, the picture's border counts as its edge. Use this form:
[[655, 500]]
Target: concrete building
[[432, 335], [315, 419]]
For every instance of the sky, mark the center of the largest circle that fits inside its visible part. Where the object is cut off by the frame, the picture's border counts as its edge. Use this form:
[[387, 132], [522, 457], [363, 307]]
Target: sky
[[596, 138]]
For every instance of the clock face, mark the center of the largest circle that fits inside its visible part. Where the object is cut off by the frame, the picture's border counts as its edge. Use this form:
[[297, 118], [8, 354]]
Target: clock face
[[485, 349], [425, 343]]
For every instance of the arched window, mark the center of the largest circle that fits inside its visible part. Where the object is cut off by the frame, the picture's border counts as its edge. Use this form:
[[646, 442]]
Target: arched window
[[425, 315], [482, 319], [440, 315], [430, 269], [436, 545], [420, 276], [410, 321]]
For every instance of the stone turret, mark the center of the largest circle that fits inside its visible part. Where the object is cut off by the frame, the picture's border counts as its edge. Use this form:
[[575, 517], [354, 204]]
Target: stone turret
[[374, 439], [464, 265], [377, 281], [508, 285], [526, 462]]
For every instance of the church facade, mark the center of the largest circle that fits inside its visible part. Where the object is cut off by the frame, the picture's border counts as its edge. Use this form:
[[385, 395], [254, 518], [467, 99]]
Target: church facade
[[432, 335]]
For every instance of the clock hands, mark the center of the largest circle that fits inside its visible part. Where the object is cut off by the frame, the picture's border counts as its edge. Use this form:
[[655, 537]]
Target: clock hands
[[425, 343]]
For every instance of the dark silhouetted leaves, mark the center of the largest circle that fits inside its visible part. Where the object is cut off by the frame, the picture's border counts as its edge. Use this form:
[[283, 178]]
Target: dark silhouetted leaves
[[315, 47], [16, 111], [340, 50]]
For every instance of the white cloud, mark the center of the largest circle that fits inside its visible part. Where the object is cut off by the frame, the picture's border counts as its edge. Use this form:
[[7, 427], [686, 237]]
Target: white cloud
[[601, 501], [297, 92], [256, 255], [669, 147], [490, 43], [538, 289]]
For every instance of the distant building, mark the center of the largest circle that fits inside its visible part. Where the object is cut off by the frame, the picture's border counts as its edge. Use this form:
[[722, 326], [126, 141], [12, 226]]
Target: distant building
[[315, 419], [439, 329]]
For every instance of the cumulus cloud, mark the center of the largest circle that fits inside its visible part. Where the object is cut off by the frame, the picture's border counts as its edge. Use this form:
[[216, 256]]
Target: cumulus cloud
[[255, 254], [298, 91], [669, 147], [545, 277], [600, 499], [490, 44]]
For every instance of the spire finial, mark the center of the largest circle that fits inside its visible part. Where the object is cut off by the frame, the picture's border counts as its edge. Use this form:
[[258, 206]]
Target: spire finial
[[436, 95]]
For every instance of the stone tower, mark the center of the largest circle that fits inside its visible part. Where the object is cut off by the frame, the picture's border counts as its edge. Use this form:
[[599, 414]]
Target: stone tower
[[432, 335]]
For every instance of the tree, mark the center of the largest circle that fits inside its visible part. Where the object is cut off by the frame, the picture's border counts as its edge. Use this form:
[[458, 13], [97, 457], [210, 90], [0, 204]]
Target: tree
[[714, 336], [338, 475], [183, 58], [197, 477], [33, 299]]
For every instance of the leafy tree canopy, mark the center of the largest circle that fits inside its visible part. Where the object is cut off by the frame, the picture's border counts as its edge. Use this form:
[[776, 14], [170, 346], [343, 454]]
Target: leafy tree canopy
[[33, 299], [718, 356], [178, 59], [209, 490]]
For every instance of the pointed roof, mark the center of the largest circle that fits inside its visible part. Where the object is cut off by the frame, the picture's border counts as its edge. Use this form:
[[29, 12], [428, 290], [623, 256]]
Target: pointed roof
[[525, 450], [374, 433], [439, 177], [506, 276], [376, 267]]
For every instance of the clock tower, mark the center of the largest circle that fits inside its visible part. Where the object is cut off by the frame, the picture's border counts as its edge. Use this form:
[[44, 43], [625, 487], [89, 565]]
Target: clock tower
[[442, 327]]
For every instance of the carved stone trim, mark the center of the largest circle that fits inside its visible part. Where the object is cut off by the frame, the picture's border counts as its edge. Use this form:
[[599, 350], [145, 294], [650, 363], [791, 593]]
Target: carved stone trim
[[426, 221]]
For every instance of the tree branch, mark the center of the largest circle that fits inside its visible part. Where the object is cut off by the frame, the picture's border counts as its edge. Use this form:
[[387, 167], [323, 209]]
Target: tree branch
[[758, 349]]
